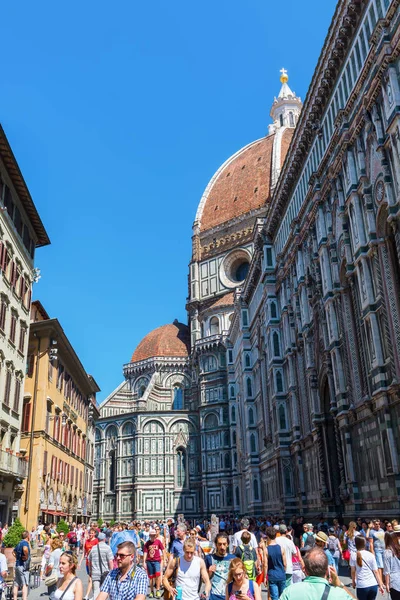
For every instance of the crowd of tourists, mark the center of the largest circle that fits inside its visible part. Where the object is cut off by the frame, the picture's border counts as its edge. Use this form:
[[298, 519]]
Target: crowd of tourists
[[232, 559]]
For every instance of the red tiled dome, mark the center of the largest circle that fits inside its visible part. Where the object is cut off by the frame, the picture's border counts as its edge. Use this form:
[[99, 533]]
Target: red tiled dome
[[242, 183], [167, 340]]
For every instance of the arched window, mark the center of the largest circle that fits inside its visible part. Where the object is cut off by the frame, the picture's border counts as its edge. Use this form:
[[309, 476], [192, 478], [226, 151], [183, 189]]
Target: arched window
[[273, 310], [234, 438], [127, 429], [233, 414], [282, 417], [237, 498], [235, 458], [210, 421], [275, 341], [252, 443], [279, 382], [214, 326], [251, 416], [141, 391], [291, 119], [98, 435], [181, 467], [255, 489], [249, 388], [232, 391], [281, 120], [227, 461], [226, 438], [178, 398], [247, 361]]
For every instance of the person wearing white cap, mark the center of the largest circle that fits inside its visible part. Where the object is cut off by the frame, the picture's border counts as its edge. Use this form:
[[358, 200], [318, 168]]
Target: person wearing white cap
[[153, 555]]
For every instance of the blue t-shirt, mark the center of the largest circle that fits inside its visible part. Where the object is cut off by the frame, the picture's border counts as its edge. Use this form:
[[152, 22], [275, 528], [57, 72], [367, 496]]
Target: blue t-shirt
[[379, 539], [329, 557], [177, 548], [218, 579], [19, 553], [276, 569]]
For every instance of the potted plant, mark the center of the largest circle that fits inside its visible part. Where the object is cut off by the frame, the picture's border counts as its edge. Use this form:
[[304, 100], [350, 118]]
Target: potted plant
[[11, 539]]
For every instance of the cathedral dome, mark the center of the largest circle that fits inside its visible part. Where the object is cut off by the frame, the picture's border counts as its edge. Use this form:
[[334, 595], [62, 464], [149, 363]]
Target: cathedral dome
[[167, 340], [243, 182]]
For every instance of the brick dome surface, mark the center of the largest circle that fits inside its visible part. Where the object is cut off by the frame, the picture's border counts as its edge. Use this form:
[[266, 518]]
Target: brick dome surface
[[242, 183], [167, 340]]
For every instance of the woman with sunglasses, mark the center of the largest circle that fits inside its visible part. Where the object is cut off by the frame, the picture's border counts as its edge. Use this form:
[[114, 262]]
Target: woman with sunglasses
[[238, 585], [69, 586]]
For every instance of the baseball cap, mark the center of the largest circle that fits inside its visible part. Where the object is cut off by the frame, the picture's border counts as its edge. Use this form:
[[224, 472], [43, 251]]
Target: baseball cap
[[282, 528], [101, 536]]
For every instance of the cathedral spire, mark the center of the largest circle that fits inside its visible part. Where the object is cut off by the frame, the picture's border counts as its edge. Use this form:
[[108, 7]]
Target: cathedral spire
[[286, 107]]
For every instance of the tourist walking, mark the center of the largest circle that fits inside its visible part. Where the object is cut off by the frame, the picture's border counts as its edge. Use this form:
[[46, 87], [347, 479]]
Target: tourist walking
[[239, 586], [391, 564], [89, 544], [290, 551], [349, 539], [69, 586], [101, 562], [153, 558], [334, 547], [237, 538], [218, 566], [52, 569], [366, 578], [186, 573], [177, 544], [377, 543], [22, 553], [128, 581], [276, 565], [316, 585]]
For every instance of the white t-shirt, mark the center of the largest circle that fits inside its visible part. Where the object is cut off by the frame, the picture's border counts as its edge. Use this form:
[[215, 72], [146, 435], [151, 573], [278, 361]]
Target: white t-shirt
[[237, 539], [364, 575], [3, 563], [290, 550]]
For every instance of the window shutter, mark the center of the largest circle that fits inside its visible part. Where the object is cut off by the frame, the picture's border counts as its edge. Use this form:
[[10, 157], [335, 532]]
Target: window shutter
[[26, 417], [76, 477], [71, 478], [7, 389], [45, 463], [80, 479], [17, 394]]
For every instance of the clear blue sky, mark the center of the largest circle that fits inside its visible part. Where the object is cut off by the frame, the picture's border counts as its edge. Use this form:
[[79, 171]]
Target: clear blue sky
[[119, 114]]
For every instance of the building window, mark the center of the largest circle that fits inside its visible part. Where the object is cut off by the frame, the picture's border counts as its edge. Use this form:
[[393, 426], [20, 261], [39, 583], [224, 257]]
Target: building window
[[274, 314], [232, 391], [214, 326], [178, 398], [279, 382], [251, 416], [3, 312], [7, 388], [276, 345], [281, 120], [112, 472], [209, 364], [230, 356], [13, 327], [22, 336], [252, 443], [249, 388], [291, 119], [245, 318], [26, 417], [17, 394], [233, 414], [255, 489], [247, 361], [282, 417], [181, 467]]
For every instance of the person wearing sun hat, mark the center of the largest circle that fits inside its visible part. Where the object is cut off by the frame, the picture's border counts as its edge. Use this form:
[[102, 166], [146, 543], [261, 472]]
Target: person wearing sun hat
[[153, 554], [321, 540]]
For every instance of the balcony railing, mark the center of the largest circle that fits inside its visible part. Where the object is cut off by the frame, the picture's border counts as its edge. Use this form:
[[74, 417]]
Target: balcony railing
[[12, 465]]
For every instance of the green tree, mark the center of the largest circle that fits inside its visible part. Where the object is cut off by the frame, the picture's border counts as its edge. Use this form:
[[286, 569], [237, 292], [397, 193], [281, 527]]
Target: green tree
[[100, 522], [62, 527], [14, 534]]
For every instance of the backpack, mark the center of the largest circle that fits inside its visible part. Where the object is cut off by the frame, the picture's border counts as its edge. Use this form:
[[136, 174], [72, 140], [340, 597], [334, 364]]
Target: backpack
[[248, 560], [310, 540], [73, 539], [332, 545]]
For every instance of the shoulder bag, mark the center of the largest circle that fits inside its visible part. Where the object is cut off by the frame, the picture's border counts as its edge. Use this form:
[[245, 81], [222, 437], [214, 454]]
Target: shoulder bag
[[172, 579], [68, 586]]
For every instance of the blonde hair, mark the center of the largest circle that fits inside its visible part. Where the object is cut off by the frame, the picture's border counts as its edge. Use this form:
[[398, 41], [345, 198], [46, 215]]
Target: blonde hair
[[73, 561], [351, 529], [235, 564], [56, 543]]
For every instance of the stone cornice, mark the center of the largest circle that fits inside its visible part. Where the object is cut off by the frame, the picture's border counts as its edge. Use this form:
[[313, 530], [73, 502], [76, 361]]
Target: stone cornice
[[345, 20], [157, 363]]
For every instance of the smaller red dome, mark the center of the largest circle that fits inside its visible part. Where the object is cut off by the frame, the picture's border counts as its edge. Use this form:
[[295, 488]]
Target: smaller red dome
[[168, 340]]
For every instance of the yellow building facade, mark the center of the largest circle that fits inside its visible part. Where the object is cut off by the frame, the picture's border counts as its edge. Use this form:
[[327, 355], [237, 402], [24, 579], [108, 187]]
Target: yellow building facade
[[57, 430]]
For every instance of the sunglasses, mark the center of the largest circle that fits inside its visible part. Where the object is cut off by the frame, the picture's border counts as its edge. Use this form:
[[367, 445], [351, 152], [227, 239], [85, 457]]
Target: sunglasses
[[122, 556]]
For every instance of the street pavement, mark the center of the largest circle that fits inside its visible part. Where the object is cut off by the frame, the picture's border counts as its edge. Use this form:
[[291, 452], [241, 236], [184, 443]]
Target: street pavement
[[40, 593]]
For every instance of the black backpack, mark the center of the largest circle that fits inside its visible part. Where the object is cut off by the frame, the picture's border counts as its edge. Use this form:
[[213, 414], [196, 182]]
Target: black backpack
[[310, 540]]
